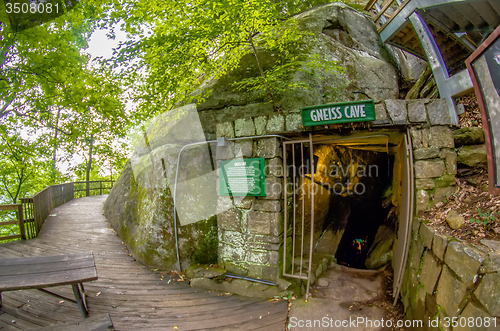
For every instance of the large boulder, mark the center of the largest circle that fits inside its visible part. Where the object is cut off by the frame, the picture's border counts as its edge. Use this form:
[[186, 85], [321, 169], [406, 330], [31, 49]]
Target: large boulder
[[334, 32], [140, 205]]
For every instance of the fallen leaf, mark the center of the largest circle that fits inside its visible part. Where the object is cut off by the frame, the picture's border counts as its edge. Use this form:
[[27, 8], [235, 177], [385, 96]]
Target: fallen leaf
[[98, 293], [176, 328], [62, 301]]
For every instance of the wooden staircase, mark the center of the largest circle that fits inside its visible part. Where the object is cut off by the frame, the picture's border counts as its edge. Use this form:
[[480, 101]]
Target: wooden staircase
[[443, 32]]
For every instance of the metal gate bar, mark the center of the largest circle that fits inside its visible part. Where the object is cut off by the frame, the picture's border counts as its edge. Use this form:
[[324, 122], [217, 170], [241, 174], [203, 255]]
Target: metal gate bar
[[296, 174]]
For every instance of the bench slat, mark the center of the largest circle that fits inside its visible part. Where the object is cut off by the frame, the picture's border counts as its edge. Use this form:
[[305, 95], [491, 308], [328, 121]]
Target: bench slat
[[23, 269], [43, 259]]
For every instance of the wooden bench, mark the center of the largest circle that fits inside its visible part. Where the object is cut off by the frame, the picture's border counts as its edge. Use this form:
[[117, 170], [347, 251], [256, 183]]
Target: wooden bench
[[48, 271]]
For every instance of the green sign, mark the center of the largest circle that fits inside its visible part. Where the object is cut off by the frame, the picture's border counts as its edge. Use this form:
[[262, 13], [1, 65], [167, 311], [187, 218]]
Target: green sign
[[334, 113], [243, 177]]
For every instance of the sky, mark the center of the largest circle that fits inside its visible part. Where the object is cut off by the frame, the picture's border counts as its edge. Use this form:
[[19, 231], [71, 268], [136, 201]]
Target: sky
[[100, 45]]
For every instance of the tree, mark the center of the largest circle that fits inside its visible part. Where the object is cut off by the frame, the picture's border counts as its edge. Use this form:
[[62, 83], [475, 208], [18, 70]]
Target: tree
[[176, 46]]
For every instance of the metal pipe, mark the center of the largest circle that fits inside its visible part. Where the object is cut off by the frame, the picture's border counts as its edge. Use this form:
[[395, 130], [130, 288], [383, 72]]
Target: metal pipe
[[257, 280], [311, 152], [177, 173]]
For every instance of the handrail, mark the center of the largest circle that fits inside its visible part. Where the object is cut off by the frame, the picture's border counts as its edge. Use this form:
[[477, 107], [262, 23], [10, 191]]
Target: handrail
[[20, 220], [380, 11], [32, 212]]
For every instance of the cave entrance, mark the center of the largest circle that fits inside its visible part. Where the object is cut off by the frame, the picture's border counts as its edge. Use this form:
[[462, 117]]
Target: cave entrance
[[350, 198]]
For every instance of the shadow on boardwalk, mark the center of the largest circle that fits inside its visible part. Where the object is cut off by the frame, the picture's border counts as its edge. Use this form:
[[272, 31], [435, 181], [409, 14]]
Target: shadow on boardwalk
[[135, 297]]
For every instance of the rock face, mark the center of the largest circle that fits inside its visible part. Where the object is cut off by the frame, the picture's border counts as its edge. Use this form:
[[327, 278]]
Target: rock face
[[469, 136], [473, 156], [140, 205], [337, 33]]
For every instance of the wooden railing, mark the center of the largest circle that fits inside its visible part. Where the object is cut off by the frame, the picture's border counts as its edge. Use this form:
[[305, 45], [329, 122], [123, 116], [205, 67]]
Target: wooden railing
[[32, 212], [384, 11], [18, 208]]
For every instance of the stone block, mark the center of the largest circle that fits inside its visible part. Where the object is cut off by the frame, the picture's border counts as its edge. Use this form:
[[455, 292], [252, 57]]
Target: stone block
[[416, 137], [438, 113], [445, 180], [475, 313], [439, 244], [267, 205], [441, 136], [225, 130], [229, 220], [268, 148], [426, 153], [431, 304], [422, 199], [426, 234], [469, 136], [274, 167], [441, 194], [238, 269], [450, 292], [274, 188], [270, 272], [223, 203], [260, 125], [488, 293], [431, 269], [293, 122], [416, 250], [231, 253], [425, 137], [450, 160], [262, 222], [397, 111], [415, 226], [275, 123], [259, 257], [233, 238], [263, 239], [429, 169], [243, 148], [473, 156], [491, 264], [424, 184], [381, 114], [464, 261], [244, 127], [416, 112], [455, 220], [274, 257], [263, 246], [225, 152], [419, 306], [243, 202]]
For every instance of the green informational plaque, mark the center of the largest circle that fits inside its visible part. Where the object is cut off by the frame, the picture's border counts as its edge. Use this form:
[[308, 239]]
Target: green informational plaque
[[334, 113], [243, 177]]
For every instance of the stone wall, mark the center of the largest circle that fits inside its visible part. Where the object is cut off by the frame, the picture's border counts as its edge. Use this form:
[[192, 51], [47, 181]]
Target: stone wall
[[250, 230], [250, 227], [446, 277]]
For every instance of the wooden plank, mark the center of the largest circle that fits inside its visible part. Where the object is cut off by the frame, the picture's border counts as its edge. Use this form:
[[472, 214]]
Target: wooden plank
[[10, 207], [15, 236], [49, 279], [394, 15], [44, 259], [9, 222], [94, 323], [385, 5], [39, 269]]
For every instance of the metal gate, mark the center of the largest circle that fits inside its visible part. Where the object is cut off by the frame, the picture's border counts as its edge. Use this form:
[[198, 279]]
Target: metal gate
[[301, 154], [299, 169]]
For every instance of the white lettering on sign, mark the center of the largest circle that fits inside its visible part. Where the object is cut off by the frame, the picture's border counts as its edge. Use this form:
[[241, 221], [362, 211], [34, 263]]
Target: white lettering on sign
[[355, 111], [326, 114], [239, 164]]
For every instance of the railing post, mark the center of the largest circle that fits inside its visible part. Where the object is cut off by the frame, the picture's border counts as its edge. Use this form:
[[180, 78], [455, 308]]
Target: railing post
[[100, 187], [21, 221]]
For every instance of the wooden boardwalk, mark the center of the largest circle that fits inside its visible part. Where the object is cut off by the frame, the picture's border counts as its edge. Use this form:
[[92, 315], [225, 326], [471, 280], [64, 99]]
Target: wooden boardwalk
[[136, 297]]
